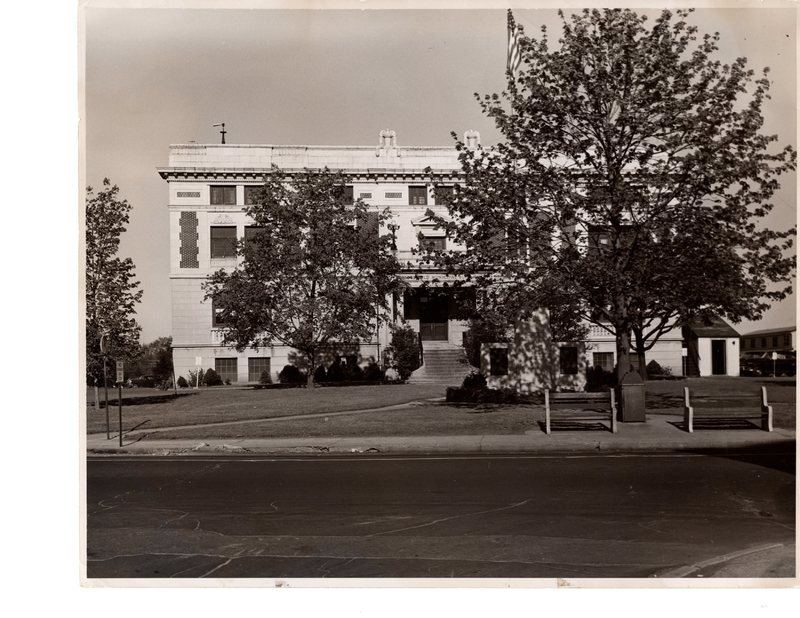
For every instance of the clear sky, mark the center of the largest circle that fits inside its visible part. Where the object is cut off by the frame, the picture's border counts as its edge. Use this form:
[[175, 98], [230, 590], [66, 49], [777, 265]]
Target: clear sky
[[156, 77]]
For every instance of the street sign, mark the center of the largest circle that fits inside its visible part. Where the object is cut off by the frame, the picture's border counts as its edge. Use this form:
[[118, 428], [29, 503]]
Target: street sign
[[103, 344], [774, 356], [198, 360], [120, 371]]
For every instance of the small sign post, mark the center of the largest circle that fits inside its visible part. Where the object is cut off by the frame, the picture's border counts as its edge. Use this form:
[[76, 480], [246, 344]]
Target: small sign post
[[104, 352], [774, 358], [120, 380], [197, 361]]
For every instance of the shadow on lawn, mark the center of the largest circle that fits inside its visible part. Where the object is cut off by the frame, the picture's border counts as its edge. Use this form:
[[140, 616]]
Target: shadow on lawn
[[145, 400]]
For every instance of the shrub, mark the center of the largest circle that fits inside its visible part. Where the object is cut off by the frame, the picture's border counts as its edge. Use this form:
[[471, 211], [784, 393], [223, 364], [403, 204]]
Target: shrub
[[373, 373], [212, 378], [320, 375], [404, 350], [391, 376], [481, 395], [291, 375], [195, 377], [598, 379], [265, 378], [182, 382], [335, 372], [474, 381], [227, 381], [353, 373], [654, 369]]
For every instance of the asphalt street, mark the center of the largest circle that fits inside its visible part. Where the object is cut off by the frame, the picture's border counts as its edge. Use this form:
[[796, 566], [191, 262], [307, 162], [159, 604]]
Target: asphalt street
[[667, 515]]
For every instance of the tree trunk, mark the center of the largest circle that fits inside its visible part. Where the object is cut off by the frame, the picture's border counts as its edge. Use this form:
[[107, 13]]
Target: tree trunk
[[640, 354], [311, 367], [623, 354], [622, 328]]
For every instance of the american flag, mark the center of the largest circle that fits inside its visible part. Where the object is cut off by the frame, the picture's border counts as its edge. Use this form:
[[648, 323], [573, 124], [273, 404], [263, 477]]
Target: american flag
[[514, 54]]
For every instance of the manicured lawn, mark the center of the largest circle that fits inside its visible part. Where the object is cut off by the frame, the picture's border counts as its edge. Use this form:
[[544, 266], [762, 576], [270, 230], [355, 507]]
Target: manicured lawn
[[148, 409], [431, 419]]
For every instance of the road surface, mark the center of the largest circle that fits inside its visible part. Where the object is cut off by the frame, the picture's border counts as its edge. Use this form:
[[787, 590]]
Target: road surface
[[666, 515]]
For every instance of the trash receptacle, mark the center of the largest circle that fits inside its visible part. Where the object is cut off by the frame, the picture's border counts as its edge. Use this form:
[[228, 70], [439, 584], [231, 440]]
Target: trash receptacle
[[632, 409]]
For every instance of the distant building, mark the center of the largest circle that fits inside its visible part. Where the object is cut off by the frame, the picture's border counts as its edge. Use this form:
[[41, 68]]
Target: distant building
[[712, 348], [781, 340]]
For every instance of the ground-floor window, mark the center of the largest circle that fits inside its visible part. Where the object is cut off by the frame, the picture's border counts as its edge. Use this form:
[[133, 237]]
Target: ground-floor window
[[568, 359], [498, 361], [226, 368], [255, 367], [604, 360]]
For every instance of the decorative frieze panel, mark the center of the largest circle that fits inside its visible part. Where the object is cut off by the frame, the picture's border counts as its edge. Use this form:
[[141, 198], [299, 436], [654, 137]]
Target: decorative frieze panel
[[222, 220]]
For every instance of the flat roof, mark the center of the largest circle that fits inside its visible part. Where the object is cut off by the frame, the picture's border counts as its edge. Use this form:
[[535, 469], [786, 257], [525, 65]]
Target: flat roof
[[769, 331]]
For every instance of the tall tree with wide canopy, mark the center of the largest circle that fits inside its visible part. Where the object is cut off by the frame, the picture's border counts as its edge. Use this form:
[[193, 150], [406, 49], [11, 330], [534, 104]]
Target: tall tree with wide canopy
[[316, 271], [631, 183], [111, 294]]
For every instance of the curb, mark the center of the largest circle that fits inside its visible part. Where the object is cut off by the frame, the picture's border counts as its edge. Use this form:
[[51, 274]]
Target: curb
[[486, 445]]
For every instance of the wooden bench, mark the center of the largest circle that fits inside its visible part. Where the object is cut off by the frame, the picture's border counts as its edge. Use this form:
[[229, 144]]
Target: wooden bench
[[569, 407], [719, 409]]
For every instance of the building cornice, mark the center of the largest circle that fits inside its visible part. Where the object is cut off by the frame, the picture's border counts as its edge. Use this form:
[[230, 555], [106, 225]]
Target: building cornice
[[255, 174]]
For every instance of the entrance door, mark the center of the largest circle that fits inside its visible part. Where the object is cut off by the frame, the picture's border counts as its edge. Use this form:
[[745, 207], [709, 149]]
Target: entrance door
[[718, 367], [433, 317]]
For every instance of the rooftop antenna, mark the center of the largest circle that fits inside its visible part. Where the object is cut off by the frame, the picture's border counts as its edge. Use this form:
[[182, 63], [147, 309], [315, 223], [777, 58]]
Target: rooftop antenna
[[223, 132]]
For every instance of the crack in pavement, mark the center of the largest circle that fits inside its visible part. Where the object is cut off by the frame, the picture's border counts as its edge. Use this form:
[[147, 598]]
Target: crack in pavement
[[450, 518], [216, 568], [688, 569]]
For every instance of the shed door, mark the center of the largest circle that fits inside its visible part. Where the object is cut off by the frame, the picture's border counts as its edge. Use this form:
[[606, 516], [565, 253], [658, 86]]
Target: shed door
[[718, 367]]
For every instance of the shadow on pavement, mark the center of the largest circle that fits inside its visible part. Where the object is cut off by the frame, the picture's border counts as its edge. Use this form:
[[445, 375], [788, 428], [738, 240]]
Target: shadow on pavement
[[710, 424], [574, 426], [779, 455]]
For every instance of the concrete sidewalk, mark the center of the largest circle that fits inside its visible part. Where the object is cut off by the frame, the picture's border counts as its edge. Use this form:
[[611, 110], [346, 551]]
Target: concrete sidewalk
[[658, 435]]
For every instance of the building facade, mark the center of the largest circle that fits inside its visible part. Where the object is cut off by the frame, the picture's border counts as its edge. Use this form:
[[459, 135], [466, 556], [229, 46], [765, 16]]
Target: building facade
[[780, 340], [209, 186]]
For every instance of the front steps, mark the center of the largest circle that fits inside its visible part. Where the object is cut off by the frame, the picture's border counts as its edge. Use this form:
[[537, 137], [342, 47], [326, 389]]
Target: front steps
[[443, 363]]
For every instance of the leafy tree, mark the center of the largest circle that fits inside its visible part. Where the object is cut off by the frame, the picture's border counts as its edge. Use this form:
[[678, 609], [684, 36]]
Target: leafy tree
[[316, 272], [631, 184], [155, 359], [403, 351], [111, 294]]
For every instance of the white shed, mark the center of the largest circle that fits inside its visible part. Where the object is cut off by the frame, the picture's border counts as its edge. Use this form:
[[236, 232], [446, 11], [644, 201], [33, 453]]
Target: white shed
[[712, 348]]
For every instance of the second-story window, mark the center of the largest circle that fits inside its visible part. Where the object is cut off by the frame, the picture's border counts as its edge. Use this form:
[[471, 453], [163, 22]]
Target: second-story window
[[250, 193], [223, 195], [348, 195], [442, 194], [250, 231], [223, 241], [418, 196]]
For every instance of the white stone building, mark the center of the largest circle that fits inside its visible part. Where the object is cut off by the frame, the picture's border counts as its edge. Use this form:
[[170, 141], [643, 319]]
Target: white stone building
[[208, 188]]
